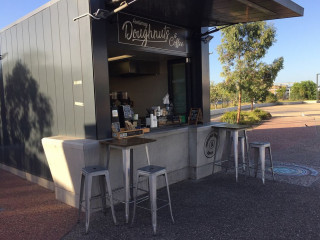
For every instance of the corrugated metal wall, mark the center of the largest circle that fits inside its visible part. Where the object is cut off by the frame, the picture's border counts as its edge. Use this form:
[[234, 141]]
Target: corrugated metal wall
[[47, 83]]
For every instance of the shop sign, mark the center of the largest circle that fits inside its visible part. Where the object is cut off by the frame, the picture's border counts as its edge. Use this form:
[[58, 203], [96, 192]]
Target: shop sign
[[147, 33]]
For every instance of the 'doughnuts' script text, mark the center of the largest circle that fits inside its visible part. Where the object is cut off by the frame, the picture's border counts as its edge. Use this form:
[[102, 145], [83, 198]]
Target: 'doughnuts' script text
[[139, 31]]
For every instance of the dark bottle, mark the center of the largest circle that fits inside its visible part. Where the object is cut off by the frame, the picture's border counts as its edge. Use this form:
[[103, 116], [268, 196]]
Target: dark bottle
[[115, 124]]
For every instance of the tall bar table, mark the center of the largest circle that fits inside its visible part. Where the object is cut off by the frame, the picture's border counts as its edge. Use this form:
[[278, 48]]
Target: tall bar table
[[234, 129], [126, 146]]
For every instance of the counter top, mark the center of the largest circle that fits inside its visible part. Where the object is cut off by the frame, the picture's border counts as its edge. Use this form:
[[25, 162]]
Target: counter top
[[127, 142], [231, 126]]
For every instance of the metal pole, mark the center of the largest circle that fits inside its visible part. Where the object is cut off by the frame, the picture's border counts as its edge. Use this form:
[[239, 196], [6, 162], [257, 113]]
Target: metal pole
[[317, 100]]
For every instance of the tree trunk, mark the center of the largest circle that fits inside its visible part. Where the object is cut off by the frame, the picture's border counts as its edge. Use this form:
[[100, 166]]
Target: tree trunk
[[252, 104], [239, 107]]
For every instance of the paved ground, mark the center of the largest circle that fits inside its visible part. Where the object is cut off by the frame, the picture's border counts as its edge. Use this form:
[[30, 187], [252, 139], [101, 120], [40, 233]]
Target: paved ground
[[215, 207], [28, 211]]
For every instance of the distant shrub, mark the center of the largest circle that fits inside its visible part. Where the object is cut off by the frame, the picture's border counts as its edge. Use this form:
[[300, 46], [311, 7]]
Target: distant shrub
[[246, 118], [249, 118], [263, 115], [229, 117], [271, 98]]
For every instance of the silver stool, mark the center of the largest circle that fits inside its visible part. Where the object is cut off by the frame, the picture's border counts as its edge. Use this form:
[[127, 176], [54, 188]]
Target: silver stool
[[86, 182], [152, 172], [261, 150], [244, 148]]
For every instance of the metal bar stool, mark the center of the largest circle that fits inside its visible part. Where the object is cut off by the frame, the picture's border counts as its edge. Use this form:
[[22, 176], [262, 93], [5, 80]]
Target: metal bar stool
[[86, 182], [152, 172], [261, 151], [243, 141]]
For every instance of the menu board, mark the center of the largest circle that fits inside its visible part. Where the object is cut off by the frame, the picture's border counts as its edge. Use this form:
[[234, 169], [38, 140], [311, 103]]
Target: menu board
[[195, 116]]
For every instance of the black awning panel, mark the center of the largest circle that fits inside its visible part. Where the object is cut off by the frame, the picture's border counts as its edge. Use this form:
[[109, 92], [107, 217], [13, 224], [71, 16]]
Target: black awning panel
[[207, 13]]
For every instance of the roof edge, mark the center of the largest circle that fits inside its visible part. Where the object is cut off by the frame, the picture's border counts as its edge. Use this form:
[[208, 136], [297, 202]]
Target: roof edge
[[291, 5]]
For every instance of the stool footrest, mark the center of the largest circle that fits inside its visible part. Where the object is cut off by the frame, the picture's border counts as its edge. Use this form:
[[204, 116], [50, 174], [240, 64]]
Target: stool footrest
[[145, 208]]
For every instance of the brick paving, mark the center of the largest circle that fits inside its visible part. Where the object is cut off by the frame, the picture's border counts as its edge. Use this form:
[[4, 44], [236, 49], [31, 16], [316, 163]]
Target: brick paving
[[28, 211]]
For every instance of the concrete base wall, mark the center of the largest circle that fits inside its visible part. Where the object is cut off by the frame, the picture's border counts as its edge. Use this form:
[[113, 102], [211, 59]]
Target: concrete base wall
[[66, 157], [206, 145], [185, 152]]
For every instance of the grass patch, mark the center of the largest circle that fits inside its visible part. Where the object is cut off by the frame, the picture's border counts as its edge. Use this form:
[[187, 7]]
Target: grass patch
[[246, 117]]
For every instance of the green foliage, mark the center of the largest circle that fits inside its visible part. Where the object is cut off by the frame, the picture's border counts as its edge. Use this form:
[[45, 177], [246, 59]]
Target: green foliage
[[263, 115], [220, 92], [229, 117], [271, 98], [243, 45], [217, 92], [263, 79], [305, 90], [281, 93], [246, 118]]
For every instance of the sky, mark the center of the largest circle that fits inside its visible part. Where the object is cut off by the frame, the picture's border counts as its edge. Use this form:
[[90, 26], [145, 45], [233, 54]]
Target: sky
[[298, 40]]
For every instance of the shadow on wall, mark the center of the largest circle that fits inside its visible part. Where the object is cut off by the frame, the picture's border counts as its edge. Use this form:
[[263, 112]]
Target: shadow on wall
[[28, 116]]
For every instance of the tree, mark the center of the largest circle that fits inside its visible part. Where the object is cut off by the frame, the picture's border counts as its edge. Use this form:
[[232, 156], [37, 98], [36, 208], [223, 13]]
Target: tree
[[243, 45], [263, 78], [305, 90], [281, 92], [219, 92], [215, 94]]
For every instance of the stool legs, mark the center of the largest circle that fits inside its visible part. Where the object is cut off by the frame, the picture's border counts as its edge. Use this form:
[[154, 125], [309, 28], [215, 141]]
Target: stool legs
[[153, 201], [169, 199], [247, 151], [135, 199], [86, 184], [81, 196], [126, 173], [152, 185], [102, 186], [235, 151], [262, 156], [256, 161], [243, 153], [87, 188], [271, 162], [110, 197]]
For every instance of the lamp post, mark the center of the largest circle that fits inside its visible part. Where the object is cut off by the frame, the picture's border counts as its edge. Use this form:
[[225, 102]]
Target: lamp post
[[317, 88]]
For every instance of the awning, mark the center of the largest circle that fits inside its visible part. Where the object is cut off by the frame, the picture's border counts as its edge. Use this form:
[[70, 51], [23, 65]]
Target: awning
[[209, 13]]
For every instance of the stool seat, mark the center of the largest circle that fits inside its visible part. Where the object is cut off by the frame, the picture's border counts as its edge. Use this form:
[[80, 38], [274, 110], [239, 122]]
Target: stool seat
[[95, 170], [261, 152], [151, 169], [87, 175], [260, 144]]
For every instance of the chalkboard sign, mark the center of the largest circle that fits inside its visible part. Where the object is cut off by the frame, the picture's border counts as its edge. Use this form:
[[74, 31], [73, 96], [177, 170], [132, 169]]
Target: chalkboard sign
[[195, 116]]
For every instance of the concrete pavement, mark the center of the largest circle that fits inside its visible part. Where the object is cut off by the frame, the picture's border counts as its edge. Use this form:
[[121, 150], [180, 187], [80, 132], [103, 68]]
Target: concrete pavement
[[215, 207]]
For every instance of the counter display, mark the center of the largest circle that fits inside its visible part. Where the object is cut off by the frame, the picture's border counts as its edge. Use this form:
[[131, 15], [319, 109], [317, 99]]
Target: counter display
[[126, 123]]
